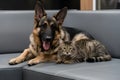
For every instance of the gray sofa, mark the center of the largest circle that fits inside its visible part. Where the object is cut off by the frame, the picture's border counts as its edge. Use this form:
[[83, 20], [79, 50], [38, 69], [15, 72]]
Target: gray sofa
[[15, 27]]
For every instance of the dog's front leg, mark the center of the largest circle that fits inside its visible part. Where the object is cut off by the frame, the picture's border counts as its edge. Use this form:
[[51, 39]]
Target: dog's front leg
[[20, 58], [39, 58]]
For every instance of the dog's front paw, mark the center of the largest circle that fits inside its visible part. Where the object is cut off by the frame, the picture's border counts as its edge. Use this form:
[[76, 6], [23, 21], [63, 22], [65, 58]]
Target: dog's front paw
[[16, 60], [33, 62]]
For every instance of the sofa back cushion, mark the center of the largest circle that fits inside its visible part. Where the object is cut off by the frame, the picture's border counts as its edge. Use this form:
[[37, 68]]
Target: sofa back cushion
[[103, 25], [16, 26]]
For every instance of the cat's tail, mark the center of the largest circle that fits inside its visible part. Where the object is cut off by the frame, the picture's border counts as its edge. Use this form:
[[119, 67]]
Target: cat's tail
[[99, 59]]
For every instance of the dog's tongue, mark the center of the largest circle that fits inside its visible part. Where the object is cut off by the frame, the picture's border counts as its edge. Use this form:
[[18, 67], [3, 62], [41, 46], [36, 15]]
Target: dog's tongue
[[46, 45]]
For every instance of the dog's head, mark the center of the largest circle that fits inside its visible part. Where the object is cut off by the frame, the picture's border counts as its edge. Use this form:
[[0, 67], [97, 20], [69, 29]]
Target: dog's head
[[46, 28]]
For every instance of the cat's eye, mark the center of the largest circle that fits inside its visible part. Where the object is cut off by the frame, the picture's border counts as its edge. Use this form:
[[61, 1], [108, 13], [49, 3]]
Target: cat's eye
[[70, 48], [64, 48], [73, 49]]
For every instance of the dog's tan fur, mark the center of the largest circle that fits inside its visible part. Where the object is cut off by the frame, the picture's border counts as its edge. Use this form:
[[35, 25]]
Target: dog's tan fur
[[34, 53]]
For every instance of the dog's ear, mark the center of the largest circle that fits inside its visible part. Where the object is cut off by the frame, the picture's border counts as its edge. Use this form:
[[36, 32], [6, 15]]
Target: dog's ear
[[39, 10], [60, 16]]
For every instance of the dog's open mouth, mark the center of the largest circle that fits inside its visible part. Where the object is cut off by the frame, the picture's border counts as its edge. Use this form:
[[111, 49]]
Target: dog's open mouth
[[46, 45]]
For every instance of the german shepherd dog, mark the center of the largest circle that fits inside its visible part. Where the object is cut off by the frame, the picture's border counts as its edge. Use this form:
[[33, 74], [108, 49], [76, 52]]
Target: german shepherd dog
[[44, 38]]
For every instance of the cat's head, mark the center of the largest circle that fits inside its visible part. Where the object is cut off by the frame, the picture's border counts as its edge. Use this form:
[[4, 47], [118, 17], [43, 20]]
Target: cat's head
[[67, 48]]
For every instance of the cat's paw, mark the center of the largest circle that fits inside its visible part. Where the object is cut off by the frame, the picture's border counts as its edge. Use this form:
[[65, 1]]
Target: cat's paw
[[90, 60], [67, 62], [58, 62]]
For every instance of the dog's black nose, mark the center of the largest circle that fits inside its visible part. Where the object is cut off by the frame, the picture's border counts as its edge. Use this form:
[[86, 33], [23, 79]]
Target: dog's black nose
[[48, 38]]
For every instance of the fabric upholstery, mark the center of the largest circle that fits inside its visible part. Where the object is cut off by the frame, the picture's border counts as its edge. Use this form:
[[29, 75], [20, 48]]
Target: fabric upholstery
[[10, 72], [16, 26], [103, 25], [33, 75], [81, 71]]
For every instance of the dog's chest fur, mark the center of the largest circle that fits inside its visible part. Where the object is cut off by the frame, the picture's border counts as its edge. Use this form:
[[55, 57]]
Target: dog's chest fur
[[35, 48]]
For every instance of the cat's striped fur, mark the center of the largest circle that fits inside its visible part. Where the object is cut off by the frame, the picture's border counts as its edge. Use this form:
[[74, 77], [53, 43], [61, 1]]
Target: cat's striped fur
[[85, 49]]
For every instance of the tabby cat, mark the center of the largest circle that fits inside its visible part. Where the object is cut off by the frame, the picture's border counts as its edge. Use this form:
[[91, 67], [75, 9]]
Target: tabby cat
[[85, 49]]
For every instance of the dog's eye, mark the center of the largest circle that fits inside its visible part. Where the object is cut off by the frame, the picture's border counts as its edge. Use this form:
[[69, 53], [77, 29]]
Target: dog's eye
[[43, 26], [54, 27]]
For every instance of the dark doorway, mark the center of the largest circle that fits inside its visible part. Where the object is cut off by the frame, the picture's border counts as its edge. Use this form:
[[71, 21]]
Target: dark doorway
[[29, 4]]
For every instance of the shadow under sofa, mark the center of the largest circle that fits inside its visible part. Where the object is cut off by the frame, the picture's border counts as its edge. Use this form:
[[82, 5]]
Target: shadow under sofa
[[16, 26]]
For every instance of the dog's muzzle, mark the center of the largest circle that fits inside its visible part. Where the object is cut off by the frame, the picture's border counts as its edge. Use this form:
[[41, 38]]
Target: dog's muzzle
[[47, 42]]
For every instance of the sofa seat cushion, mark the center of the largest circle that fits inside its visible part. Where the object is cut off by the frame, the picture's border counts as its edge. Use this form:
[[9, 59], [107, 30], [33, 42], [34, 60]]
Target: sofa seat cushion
[[10, 72], [81, 71]]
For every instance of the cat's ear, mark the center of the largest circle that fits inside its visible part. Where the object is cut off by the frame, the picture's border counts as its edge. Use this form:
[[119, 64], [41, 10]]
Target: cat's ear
[[39, 10], [60, 16], [72, 42]]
